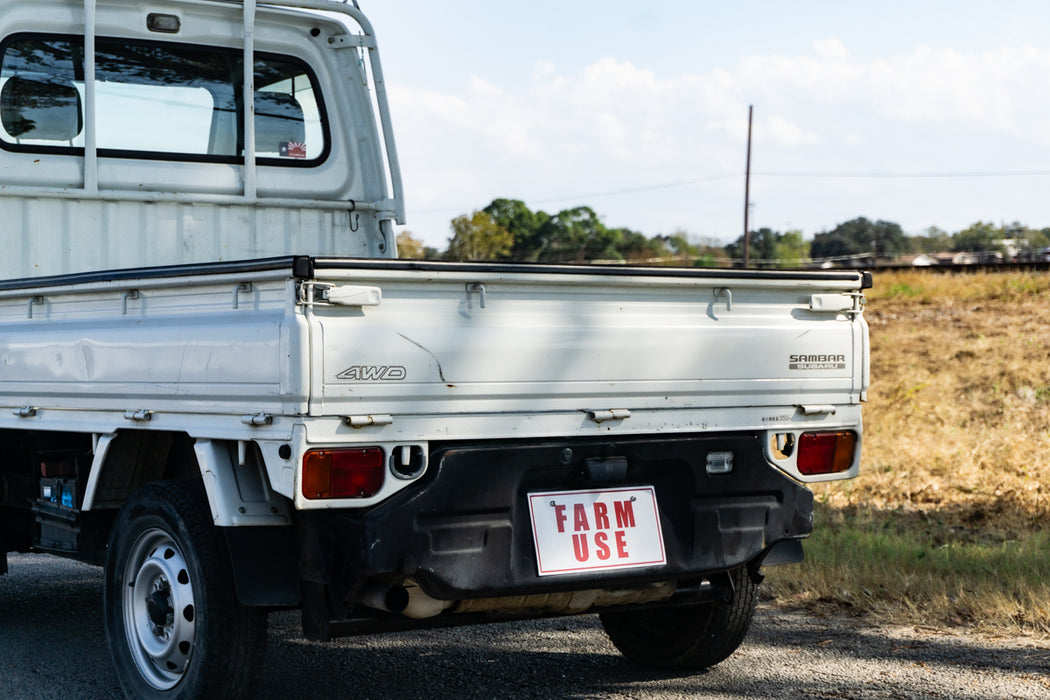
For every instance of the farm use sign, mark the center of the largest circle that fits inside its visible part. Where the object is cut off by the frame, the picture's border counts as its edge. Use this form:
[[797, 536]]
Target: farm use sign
[[577, 531]]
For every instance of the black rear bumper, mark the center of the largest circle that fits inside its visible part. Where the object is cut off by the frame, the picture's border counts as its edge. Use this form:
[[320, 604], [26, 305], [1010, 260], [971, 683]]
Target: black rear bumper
[[463, 531]]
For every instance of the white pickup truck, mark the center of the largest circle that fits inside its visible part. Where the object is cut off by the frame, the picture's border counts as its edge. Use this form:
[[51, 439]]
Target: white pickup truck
[[217, 380]]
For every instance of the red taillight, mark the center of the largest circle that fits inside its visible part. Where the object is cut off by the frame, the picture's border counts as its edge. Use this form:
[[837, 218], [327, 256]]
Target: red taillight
[[356, 473], [826, 453]]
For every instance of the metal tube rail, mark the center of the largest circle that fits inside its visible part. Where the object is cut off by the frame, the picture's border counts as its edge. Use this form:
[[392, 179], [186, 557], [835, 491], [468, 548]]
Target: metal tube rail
[[249, 10], [90, 133], [393, 165], [250, 167]]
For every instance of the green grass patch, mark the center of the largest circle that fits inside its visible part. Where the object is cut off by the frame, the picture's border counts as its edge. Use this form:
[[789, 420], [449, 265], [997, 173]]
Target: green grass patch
[[897, 567], [900, 290], [930, 286]]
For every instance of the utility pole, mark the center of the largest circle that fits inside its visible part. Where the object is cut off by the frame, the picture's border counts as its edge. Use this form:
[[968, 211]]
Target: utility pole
[[747, 191]]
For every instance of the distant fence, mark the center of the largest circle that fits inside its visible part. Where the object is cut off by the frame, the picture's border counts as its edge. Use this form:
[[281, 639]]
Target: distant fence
[[971, 267]]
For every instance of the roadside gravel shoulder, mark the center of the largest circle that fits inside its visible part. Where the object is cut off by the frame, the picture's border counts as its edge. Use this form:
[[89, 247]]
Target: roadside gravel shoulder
[[850, 657], [52, 645], [789, 654]]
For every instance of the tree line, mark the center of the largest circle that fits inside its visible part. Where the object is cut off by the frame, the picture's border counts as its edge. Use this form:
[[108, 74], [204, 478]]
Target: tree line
[[507, 230]]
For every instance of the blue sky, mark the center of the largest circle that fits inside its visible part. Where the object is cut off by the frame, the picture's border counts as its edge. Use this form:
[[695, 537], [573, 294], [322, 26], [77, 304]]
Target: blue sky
[[928, 113]]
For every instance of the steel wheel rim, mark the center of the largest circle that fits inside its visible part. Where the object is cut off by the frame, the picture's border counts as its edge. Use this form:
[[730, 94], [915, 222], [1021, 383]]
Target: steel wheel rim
[[159, 609]]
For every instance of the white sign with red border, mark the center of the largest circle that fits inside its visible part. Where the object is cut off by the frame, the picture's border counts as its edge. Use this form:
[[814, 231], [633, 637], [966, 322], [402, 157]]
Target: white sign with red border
[[599, 530]]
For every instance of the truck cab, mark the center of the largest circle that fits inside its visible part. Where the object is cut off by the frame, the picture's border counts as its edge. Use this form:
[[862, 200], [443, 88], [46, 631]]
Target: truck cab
[[117, 114]]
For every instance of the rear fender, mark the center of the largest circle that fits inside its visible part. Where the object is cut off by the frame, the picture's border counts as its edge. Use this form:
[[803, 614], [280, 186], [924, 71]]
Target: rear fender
[[238, 488]]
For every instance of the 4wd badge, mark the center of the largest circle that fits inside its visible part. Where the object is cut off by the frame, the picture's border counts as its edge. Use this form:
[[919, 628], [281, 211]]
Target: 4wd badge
[[373, 373]]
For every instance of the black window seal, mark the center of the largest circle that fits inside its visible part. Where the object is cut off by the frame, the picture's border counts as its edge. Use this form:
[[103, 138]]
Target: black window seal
[[169, 156]]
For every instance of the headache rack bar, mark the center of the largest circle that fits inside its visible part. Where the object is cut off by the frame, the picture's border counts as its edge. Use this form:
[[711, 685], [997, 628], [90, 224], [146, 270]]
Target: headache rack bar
[[366, 40]]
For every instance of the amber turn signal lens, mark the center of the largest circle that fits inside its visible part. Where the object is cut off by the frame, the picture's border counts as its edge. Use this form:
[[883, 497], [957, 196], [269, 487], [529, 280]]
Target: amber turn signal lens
[[826, 453], [350, 473]]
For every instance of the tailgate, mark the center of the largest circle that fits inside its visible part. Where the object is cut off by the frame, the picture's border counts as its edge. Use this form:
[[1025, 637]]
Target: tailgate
[[516, 340]]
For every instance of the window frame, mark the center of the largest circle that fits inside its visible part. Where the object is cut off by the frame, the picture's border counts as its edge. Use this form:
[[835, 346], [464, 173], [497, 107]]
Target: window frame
[[77, 48]]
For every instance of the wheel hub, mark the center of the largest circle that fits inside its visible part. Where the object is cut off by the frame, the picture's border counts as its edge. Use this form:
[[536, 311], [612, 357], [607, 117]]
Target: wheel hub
[[159, 609], [159, 606]]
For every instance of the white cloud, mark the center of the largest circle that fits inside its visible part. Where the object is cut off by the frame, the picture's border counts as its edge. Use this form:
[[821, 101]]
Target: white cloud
[[789, 134], [480, 86], [415, 104], [615, 125], [830, 49], [982, 90], [544, 69]]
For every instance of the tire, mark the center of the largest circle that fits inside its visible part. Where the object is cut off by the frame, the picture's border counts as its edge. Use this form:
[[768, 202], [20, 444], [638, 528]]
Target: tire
[[173, 623], [689, 637]]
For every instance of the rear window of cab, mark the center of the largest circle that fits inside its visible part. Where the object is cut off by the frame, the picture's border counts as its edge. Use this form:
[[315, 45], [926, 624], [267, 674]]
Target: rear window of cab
[[158, 100]]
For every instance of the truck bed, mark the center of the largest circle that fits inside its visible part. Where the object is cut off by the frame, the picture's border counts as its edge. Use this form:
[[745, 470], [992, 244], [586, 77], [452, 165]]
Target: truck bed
[[672, 346], [538, 345]]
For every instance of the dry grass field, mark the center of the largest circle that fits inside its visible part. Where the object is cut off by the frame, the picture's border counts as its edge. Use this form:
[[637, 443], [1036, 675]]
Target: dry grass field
[[949, 522]]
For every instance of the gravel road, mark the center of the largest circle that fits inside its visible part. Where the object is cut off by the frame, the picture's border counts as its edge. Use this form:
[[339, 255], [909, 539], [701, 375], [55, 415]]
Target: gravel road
[[52, 645]]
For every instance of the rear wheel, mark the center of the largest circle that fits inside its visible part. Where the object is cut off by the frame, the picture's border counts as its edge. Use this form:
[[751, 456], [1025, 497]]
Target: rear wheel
[[174, 626], [692, 637]]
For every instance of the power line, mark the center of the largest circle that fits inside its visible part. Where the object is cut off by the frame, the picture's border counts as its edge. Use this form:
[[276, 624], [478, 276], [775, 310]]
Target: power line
[[641, 188], [603, 193], [844, 175]]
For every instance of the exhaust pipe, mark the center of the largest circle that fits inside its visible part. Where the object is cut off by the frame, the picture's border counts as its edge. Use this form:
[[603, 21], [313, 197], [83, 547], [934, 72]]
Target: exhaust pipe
[[406, 598]]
